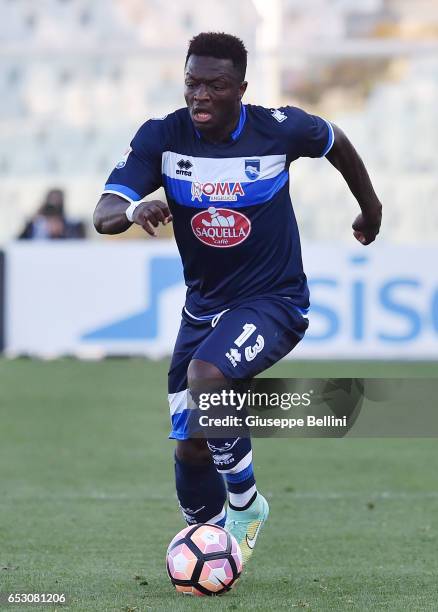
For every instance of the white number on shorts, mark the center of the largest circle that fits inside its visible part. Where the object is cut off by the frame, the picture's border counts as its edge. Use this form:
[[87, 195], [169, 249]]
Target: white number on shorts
[[251, 351], [248, 329]]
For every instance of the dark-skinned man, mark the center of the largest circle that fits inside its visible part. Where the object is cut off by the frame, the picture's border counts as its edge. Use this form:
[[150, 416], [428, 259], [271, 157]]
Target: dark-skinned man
[[224, 166]]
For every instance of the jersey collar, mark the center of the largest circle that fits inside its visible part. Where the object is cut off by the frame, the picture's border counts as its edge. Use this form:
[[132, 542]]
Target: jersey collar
[[237, 132]]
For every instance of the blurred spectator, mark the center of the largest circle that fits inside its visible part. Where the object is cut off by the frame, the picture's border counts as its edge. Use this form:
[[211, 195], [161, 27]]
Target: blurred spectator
[[50, 222]]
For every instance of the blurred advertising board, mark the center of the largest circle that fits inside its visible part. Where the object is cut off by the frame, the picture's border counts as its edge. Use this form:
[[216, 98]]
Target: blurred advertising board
[[125, 298]]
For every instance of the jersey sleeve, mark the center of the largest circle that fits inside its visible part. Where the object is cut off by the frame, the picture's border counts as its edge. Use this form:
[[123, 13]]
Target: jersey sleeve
[[308, 135], [138, 173]]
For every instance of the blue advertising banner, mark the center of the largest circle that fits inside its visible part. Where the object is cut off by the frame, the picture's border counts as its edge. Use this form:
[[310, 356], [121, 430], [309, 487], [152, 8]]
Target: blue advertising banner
[[126, 298]]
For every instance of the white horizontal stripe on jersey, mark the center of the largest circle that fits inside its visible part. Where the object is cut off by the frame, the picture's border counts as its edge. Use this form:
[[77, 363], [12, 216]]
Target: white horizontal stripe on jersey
[[219, 170]]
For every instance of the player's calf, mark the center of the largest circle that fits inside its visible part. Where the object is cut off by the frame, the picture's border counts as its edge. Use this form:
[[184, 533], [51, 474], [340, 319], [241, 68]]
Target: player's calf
[[200, 488]]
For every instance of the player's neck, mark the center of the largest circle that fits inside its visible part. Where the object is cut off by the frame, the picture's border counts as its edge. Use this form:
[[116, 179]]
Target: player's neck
[[223, 133]]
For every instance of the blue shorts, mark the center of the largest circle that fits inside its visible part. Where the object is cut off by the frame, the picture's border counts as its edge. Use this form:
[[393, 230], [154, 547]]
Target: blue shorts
[[240, 342]]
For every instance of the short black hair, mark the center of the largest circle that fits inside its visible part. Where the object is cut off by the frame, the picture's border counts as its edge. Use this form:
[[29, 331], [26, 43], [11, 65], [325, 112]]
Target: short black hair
[[221, 46]]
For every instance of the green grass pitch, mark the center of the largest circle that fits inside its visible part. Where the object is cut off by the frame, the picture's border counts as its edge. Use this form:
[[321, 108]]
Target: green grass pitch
[[87, 502]]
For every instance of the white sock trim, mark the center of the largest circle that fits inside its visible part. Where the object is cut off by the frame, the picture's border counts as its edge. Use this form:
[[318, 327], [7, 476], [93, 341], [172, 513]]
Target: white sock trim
[[241, 499], [217, 518], [243, 463]]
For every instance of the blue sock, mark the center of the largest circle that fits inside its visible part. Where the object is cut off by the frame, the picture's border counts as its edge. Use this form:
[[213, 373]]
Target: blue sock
[[233, 458], [201, 493]]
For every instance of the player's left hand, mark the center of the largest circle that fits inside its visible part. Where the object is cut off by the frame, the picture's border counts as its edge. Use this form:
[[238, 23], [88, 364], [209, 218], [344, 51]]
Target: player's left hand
[[367, 226]]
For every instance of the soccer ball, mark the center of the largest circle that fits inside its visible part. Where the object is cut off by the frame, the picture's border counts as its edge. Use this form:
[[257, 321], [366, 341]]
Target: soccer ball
[[203, 559]]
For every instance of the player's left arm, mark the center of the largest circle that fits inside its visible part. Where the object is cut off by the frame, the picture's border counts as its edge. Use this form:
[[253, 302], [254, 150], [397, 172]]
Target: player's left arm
[[344, 157]]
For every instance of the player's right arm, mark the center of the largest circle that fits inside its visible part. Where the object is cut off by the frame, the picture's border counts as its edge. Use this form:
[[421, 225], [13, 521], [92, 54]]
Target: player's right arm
[[110, 215], [136, 175]]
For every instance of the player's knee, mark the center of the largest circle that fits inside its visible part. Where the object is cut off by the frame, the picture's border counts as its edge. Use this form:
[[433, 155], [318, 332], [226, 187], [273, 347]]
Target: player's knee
[[203, 377], [194, 451], [201, 371]]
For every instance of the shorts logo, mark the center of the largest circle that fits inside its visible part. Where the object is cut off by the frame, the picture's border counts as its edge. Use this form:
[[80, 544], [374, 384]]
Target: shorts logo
[[220, 227], [234, 356], [252, 169], [184, 166], [217, 192]]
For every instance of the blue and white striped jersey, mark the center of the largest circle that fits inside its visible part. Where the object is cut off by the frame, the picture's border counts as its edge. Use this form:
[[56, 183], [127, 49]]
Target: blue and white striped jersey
[[232, 214]]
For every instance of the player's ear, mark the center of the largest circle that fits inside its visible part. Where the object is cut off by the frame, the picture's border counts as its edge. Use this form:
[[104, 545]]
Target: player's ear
[[242, 88]]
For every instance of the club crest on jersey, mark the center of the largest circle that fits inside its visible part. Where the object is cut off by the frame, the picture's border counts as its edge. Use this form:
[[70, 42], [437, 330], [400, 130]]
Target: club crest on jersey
[[221, 227], [217, 192], [252, 169]]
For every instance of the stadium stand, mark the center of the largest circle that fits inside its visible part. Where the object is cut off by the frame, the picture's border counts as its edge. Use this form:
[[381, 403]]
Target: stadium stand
[[78, 78]]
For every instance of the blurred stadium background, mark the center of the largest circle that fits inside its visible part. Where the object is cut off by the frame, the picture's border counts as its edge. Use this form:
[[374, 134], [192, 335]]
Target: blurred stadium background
[[77, 80], [84, 466], [79, 77]]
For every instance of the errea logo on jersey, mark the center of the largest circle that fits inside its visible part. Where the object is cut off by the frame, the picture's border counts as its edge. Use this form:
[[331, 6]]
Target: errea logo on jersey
[[278, 115], [184, 166], [221, 227], [225, 192]]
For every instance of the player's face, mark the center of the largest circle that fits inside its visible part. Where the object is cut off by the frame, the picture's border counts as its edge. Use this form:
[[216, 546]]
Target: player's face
[[213, 92]]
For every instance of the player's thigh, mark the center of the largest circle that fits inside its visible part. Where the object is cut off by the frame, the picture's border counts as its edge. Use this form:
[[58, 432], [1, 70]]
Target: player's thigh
[[189, 338], [250, 338]]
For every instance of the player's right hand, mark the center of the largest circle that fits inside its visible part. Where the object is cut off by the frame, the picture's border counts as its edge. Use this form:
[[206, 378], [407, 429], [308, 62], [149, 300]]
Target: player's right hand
[[150, 214]]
